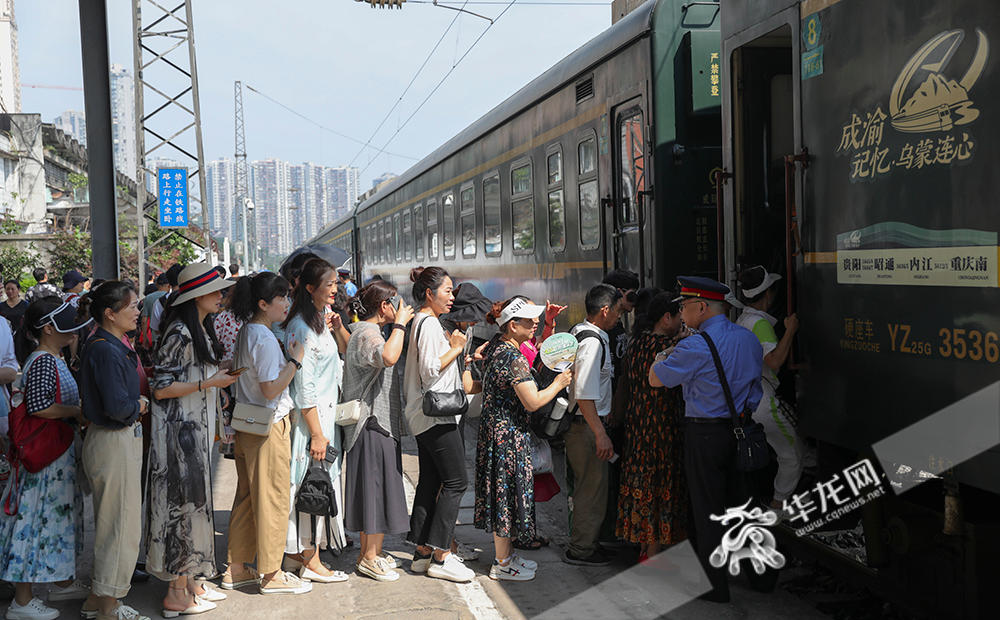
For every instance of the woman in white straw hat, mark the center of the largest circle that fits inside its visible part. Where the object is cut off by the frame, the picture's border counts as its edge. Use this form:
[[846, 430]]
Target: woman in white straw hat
[[758, 290], [180, 532]]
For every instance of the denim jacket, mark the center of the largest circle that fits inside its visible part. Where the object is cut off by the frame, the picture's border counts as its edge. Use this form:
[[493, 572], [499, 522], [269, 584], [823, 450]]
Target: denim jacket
[[109, 382]]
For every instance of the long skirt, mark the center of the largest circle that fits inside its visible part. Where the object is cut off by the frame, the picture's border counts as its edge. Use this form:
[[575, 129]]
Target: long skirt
[[375, 499]]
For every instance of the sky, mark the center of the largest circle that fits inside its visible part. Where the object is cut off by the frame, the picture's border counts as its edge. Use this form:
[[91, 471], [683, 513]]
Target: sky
[[340, 63]]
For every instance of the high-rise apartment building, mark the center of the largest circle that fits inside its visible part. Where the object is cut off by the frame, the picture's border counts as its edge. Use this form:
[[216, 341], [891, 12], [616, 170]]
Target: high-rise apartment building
[[73, 123], [220, 184], [10, 72], [269, 180], [342, 191], [123, 120]]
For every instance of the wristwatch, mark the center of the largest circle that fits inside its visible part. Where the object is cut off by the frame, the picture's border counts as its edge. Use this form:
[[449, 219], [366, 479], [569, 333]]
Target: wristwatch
[[298, 364]]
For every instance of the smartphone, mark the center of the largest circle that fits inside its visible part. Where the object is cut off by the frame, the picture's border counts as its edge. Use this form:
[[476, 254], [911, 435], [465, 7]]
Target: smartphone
[[236, 372], [396, 302]]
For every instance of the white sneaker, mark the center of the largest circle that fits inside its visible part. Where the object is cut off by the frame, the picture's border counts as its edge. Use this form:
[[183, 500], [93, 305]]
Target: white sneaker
[[467, 553], [377, 569], [286, 583], [420, 563], [528, 564], [123, 612], [514, 571], [452, 569], [390, 561], [34, 610], [76, 591]]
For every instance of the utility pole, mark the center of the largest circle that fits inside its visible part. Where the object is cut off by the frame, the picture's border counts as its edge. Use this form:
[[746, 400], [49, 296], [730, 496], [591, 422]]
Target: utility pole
[[177, 116], [244, 207]]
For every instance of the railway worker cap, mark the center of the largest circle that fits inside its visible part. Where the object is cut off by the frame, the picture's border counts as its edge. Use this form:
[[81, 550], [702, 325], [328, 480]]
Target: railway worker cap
[[344, 271], [470, 305], [701, 288], [197, 280], [520, 309], [63, 319], [769, 279]]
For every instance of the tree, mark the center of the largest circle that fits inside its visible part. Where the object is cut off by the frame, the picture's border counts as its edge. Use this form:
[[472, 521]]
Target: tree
[[18, 263], [70, 250]]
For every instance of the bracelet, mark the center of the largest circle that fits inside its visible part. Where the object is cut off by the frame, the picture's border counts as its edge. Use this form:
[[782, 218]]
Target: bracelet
[[401, 328], [298, 364], [552, 324], [199, 385]]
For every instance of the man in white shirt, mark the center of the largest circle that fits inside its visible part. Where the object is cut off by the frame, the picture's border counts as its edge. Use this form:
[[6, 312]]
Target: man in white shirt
[[588, 447]]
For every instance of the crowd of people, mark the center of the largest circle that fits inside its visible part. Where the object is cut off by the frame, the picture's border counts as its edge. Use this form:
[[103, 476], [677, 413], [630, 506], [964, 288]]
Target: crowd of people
[[302, 376]]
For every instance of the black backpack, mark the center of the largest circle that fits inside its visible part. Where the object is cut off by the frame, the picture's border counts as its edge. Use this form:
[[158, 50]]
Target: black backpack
[[542, 423], [316, 498]]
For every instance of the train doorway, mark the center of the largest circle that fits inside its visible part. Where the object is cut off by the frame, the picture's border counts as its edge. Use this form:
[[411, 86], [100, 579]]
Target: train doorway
[[633, 201]]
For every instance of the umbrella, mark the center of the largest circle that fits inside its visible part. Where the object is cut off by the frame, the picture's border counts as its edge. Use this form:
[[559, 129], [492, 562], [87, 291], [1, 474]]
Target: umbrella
[[330, 253]]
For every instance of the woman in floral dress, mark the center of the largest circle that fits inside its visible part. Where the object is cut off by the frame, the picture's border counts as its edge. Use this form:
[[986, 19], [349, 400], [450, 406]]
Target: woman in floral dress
[[653, 504], [43, 540], [180, 529], [505, 501]]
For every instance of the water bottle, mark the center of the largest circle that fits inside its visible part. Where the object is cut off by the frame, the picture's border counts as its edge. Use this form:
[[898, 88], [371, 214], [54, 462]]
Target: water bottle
[[558, 411], [4, 468]]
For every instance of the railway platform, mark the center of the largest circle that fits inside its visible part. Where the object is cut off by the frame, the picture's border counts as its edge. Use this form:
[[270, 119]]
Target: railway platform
[[619, 591]]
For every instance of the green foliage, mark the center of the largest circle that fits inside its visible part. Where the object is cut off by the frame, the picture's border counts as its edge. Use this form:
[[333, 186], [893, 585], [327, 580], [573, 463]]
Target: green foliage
[[77, 180], [10, 226], [18, 263], [70, 250]]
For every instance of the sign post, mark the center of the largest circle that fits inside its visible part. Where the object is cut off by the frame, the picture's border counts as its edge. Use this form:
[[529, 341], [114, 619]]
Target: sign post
[[172, 197]]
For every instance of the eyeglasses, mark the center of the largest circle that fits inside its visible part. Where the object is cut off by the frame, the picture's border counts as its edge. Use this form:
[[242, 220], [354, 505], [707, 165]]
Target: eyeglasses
[[691, 303]]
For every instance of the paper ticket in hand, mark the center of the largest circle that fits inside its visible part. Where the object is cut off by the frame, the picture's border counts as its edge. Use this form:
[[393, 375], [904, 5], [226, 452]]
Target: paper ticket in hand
[[558, 352]]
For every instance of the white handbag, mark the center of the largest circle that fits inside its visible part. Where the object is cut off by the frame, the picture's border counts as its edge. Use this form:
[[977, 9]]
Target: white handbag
[[247, 418], [349, 413]]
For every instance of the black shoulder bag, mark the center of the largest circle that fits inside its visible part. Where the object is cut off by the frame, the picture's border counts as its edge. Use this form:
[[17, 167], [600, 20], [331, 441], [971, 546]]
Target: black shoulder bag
[[751, 441], [441, 404]]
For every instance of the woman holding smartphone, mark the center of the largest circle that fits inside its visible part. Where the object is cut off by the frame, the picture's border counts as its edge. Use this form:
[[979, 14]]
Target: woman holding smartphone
[[376, 501], [259, 519], [314, 394]]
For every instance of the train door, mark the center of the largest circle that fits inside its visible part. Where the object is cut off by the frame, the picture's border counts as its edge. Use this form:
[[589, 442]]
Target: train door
[[632, 198]]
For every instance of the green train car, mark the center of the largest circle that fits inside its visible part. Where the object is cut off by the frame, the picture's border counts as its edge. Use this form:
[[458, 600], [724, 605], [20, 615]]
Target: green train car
[[858, 148], [607, 160]]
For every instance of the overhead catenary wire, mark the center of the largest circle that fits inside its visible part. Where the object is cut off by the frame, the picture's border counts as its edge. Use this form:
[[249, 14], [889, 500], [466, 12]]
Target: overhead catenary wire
[[333, 131], [407, 89], [446, 75]]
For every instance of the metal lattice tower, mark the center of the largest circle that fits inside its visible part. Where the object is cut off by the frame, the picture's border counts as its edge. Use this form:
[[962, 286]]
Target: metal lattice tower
[[246, 223], [176, 120]]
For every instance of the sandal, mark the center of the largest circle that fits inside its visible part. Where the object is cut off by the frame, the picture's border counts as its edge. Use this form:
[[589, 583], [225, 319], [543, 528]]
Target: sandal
[[536, 543]]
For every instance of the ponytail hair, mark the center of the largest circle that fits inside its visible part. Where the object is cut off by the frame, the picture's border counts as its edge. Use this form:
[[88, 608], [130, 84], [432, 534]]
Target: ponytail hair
[[494, 314], [426, 279], [29, 335], [112, 294], [369, 299], [658, 306], [249, 291]]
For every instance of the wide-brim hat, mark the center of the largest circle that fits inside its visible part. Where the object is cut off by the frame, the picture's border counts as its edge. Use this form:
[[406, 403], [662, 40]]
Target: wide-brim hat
[[63, 319], [197, 280], [470, 305], [769, 279]]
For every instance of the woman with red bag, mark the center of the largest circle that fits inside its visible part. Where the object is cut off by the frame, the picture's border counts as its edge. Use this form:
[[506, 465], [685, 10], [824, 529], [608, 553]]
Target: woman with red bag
[[42, 540]]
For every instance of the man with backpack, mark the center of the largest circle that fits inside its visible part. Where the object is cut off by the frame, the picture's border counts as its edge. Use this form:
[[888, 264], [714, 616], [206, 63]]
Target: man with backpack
[[588, 447]]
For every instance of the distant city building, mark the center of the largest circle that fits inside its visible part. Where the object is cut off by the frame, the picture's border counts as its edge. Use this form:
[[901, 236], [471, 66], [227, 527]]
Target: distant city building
[[388, 176], [10, 72], [74, 123], [153, 164], [220, 185], [269, 180], [343, 185], [123, 120]]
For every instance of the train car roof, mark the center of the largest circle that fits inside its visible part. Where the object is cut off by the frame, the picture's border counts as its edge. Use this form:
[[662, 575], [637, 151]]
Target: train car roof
[[633, 26]]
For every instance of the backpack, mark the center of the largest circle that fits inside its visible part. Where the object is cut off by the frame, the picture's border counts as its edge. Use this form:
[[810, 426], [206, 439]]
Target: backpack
[[316, 498], [542, 423]]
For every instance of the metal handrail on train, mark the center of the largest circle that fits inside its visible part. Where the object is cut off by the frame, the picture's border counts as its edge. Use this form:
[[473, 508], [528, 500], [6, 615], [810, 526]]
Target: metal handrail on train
[[790, 224]]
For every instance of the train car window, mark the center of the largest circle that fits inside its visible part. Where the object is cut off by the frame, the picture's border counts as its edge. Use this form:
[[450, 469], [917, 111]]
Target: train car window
[[587, 155], [407, 236], [388, 240], [373, 243], [381, 242], [397, 227], [491, 213], [468, 221], [418, 231], [633, 165], [557, 221], [522, 208], [448, 225], [432, 230], [555, 167], [590, 216]]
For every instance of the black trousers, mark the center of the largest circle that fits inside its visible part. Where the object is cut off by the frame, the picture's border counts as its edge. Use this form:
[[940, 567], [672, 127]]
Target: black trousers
[[715, 485], [441, 455]]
